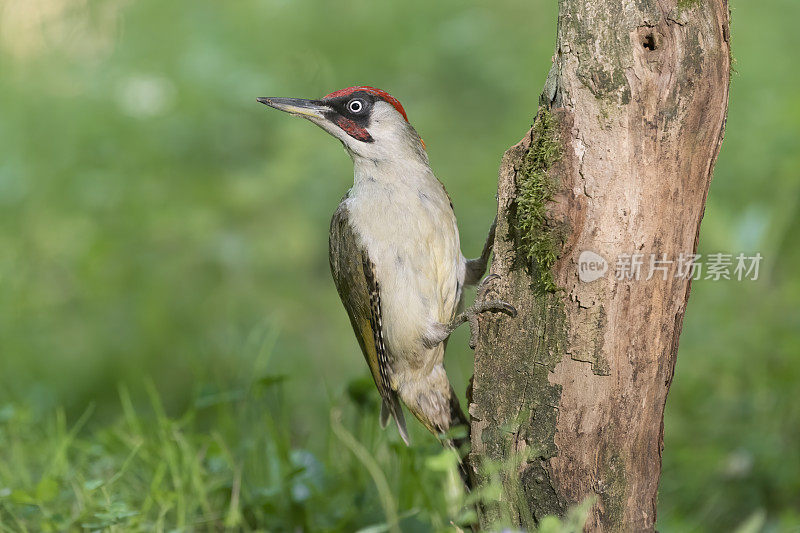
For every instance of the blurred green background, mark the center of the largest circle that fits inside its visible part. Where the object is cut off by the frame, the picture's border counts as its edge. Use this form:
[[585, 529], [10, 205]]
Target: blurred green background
[[163, 259]]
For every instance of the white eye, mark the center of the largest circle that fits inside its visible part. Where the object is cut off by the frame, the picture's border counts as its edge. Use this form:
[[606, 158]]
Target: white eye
[[355, 106]]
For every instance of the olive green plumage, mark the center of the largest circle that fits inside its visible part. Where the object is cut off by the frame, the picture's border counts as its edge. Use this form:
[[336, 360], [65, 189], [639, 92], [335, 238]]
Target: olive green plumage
[[354, 275]]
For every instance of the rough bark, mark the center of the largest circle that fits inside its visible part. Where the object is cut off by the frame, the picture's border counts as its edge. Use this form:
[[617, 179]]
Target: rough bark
[[568, 398]]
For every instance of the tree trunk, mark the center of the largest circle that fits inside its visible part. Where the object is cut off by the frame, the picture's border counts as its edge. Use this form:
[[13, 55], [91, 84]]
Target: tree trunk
[[568, 397]]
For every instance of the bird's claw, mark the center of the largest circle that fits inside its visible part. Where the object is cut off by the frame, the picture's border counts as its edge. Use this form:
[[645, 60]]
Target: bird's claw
[[499, 306], [483, 288], [495, 306]]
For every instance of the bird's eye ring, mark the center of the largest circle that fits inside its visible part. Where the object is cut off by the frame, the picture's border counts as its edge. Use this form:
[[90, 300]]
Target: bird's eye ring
[[355, 106]]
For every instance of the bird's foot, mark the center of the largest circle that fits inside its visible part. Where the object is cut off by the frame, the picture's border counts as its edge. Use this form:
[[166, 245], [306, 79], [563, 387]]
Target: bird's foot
[[470, 315], [482, 306], [492, 306]]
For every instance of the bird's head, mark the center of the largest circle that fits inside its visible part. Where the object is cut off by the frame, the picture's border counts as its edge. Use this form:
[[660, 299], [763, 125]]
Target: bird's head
[[371, 123]]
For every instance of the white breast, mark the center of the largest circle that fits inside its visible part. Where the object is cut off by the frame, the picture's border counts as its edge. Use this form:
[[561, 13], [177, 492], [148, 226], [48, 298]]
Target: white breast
[[409, 230]]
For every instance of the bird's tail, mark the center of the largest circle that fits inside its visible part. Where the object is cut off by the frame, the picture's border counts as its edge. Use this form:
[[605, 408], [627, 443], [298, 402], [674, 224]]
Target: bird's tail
[[456, 432], [460, 441], [432, 400], [391, 407]]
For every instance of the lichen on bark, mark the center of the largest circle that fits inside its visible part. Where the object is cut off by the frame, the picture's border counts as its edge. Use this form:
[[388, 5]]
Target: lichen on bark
[[514, 431]]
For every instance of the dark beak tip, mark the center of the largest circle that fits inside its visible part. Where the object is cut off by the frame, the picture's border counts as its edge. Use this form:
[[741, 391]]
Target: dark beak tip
[[263, 100]]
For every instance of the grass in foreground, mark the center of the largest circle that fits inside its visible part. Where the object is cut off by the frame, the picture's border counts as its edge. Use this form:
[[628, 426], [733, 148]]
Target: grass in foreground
[[227, 463]]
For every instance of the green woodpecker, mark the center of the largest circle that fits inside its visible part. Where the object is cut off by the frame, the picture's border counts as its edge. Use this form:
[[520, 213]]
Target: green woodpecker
[[395, 254]]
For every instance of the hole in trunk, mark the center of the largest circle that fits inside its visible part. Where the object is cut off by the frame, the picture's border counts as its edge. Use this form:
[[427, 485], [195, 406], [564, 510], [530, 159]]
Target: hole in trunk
[[649, 41]]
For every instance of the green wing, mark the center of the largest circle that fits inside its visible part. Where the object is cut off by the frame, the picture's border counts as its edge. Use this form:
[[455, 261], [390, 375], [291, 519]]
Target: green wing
[[358, 286]]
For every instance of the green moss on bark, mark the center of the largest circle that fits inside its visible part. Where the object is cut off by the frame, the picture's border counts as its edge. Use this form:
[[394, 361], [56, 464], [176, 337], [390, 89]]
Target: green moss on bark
[[613, 491], [688, 4], [539, 240]]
